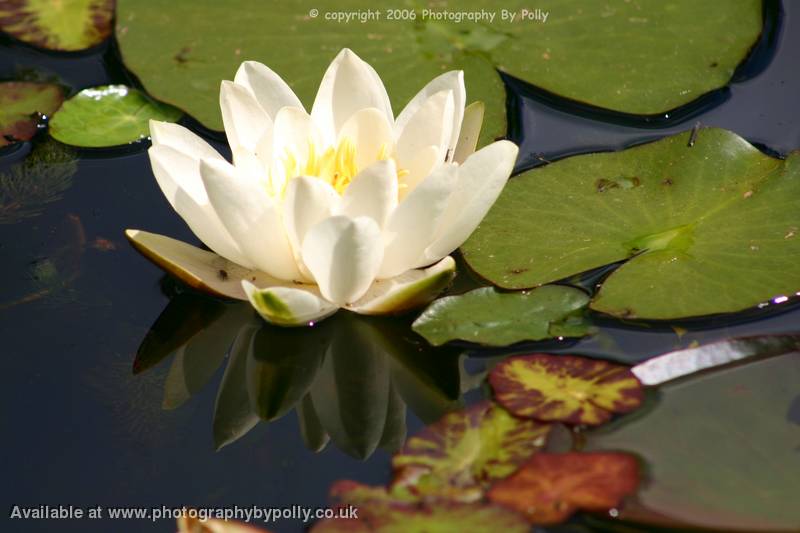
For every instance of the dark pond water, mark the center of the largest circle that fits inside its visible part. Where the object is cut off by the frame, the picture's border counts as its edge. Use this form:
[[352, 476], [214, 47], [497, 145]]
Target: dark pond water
[[76, 303]]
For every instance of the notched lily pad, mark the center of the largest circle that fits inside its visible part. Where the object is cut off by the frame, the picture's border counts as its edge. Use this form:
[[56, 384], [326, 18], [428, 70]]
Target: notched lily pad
[[486, 316], [378, 511], [551, 487], [22, 106], [565, 388], [458, 456], [108, 115], [708, 228], [181, 50], [66, 25]]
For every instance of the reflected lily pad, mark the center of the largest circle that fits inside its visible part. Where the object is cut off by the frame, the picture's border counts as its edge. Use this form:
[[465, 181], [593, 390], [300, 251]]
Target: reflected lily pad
[[380, 512], [181, 50], [707, 228], [721, 449], [565, 388], [22, 103], [460, 455], [486, 316], [552, 486], [108, 115], [27, 187], [66, 25]]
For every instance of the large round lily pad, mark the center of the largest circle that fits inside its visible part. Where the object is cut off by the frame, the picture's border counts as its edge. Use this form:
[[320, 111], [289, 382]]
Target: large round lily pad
[[65, 25], [22, 104], [109, 115], [181, 50], [709, 228], [641, 57], [721, 449]]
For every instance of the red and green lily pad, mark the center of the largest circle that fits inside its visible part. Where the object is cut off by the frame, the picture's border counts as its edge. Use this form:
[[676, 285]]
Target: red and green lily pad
[[552, 486], [565, 388], [22, 105], [66, 25], [379, 511], [458, 456]]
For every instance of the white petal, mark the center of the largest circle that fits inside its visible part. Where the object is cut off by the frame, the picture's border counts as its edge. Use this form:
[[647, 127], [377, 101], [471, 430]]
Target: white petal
[[410, 227], [480, 180], [251, 217], [285, 306], [470, 132], [372, 193], [181, 139], [344, 255], [201, 269], [449, 81], [409, 290], [425, 161], [178, 175], [244, 119], [294, 133], [348, 85], [307, 201], [431, 124], [269, 89], [371, 133]]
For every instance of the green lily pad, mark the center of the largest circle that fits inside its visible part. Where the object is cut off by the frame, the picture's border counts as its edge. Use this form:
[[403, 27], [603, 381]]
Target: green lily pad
[[460, 455], [644, 57], [552, 486], [379, 511], [21, 105], [708, 228], [108, 115], [66, 25], [721, 449], [486, 316], [565, 388], [636, 57], [182, 50]]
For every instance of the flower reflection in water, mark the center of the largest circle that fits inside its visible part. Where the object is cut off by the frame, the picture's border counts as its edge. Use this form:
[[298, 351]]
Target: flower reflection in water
[[349, 379]]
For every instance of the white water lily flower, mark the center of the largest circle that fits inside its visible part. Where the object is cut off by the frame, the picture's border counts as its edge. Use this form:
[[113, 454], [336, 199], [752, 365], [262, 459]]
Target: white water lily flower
[[339, 208]]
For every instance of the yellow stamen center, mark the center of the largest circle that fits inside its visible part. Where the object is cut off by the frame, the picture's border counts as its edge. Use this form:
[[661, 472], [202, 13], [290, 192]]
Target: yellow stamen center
[[336, 166]]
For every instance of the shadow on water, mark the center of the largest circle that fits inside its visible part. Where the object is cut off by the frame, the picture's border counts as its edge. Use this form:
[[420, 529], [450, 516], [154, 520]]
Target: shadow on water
[[348, 380]]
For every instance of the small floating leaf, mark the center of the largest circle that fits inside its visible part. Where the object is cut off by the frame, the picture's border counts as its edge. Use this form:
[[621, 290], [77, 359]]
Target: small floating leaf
[[565, 388], [21, 104], [380, 512], [493, 318], [458, 456], [65, 25], [711, 228], [552, 486], [108, 115]]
